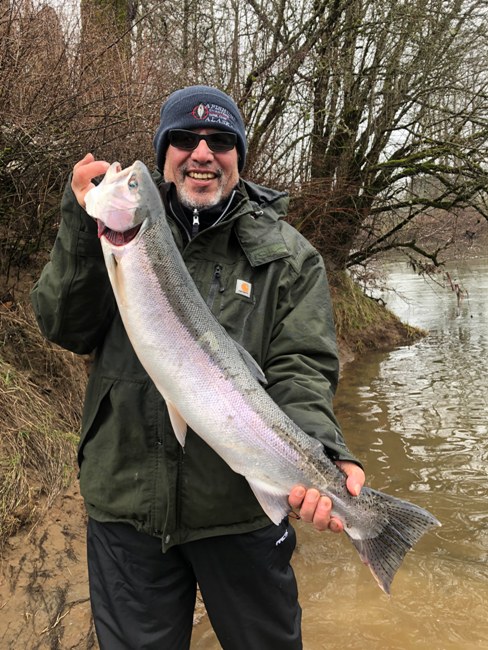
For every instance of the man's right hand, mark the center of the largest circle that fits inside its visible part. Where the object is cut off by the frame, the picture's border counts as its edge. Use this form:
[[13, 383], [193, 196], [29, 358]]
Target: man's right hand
[[83, 172]]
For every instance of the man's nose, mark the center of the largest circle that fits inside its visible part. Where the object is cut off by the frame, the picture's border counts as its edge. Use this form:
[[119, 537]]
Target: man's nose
[[202, 153]]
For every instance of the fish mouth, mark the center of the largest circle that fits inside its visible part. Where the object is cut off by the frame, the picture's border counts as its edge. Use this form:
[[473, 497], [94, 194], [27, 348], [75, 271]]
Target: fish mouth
[[115, 237]]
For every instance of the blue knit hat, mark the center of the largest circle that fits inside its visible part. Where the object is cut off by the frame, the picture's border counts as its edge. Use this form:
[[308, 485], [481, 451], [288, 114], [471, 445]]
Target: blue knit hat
[[199, 107]]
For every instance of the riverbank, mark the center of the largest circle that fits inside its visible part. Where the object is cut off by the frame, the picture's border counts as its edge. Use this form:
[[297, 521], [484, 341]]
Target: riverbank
[[44, 601]]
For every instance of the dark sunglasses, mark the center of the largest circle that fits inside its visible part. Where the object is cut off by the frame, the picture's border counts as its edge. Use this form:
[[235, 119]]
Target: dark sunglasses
[[189, 140]]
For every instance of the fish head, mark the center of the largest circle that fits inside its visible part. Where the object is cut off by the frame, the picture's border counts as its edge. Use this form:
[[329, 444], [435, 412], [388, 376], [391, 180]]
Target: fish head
[[123, 203]]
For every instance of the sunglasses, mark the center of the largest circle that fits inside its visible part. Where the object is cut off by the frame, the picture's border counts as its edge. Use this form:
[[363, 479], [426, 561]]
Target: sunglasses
[[189, 140]]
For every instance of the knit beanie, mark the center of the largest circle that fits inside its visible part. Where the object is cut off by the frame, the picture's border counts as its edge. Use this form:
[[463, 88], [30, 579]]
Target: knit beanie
[[199, 107]]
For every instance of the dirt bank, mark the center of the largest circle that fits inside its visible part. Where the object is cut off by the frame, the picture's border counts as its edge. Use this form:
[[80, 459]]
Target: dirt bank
[[43, 582], [44, 602]]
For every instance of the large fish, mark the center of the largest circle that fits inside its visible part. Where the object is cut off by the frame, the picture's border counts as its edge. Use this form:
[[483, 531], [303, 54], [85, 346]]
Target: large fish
[[212, 385]]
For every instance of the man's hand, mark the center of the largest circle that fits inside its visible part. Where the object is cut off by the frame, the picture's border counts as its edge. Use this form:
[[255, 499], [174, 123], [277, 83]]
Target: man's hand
[[83, 172], [316, 509]]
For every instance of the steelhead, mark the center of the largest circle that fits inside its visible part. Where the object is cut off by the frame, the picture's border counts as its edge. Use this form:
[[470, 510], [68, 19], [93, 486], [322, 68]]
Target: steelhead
[[213, 385]]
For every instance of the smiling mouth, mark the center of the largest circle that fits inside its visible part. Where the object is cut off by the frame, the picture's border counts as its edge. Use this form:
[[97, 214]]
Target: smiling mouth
[[202, 176], [115, 237]]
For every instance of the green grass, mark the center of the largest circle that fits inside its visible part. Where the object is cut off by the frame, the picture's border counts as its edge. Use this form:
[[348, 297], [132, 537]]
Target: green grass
[[362, 322], [41, 393]]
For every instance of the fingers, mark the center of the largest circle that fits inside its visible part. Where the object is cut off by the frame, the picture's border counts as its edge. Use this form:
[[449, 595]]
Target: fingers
[[83, 173], [296, 496], [89, 168], [355, 476], [314, 508]]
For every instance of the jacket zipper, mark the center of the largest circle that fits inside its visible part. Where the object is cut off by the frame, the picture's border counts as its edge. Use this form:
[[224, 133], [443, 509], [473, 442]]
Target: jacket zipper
[[195, 227], [216, 286]]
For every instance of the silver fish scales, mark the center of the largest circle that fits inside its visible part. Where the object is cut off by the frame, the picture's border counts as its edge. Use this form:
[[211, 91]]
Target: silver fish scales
[[212, 385]]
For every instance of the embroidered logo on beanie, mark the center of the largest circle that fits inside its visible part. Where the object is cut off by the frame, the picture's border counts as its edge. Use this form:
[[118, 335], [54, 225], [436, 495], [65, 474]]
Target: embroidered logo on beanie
[[214, 114], [200, 112]]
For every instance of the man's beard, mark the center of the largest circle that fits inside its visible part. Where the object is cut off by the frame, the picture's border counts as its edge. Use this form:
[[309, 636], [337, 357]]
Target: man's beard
[[194, 201], [203, 200]]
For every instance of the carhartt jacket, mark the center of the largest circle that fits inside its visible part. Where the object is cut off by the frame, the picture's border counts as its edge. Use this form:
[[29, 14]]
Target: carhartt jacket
[[267, 286]]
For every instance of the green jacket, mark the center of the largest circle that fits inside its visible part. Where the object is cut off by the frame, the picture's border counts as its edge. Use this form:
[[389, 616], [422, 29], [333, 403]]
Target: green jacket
[[132, 468]]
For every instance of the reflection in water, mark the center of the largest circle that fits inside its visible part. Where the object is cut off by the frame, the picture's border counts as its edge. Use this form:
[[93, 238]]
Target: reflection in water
[[417, 418]]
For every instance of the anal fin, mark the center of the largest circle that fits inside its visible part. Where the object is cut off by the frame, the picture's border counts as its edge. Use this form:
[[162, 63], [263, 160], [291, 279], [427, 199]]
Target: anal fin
[[272, 500]]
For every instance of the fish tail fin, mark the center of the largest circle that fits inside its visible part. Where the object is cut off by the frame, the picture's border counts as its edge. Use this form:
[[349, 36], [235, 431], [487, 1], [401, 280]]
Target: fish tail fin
[[402, 525]]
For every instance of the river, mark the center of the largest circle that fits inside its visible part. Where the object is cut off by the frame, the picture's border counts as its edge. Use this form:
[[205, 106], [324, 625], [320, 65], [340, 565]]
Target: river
[[417, 418]]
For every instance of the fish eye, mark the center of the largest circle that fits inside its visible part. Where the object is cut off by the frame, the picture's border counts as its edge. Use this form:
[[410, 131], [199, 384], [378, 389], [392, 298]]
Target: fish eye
[[132, 182]]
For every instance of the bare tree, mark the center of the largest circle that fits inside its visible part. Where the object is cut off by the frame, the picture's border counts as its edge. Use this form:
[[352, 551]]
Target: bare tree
[[59, 101], [375, 112], [32, 65], [393, 103], [111, 18], [372, 112]]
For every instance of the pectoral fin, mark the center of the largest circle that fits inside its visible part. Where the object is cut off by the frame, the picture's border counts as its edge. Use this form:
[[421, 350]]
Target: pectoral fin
[[178, 423], [252, 364]]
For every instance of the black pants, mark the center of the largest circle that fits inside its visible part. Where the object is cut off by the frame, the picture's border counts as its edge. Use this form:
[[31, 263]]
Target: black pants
[[143, 599]]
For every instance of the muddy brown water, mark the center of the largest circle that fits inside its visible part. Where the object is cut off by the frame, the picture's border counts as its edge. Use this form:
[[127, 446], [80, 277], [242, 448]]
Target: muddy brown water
[[417, 418]]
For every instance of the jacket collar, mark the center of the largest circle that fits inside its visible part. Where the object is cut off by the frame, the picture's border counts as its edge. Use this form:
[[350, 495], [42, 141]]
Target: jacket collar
[[255, 219], [257, 229]]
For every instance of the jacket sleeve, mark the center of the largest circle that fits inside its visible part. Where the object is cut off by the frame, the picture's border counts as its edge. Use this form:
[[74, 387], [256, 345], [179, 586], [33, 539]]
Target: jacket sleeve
[[73, 300], [302, 366]]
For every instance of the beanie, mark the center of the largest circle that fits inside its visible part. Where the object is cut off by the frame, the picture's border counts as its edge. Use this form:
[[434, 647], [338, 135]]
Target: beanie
[[199, 107]]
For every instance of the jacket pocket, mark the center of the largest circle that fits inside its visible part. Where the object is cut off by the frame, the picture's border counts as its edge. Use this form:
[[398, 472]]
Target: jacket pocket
[[95, 395], [120, 447]]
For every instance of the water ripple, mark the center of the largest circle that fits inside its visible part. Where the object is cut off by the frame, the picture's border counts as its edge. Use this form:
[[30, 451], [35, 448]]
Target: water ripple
[[417, 418]]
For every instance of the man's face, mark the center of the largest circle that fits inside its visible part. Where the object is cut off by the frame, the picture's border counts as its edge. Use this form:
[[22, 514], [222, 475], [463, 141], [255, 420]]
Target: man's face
[[202, 177]]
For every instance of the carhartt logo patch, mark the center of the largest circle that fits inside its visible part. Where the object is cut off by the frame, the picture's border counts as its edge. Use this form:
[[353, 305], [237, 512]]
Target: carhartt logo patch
[[243, 288]]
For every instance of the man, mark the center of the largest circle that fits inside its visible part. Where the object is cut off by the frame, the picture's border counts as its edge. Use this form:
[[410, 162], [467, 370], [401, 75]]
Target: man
[[162, 520]]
